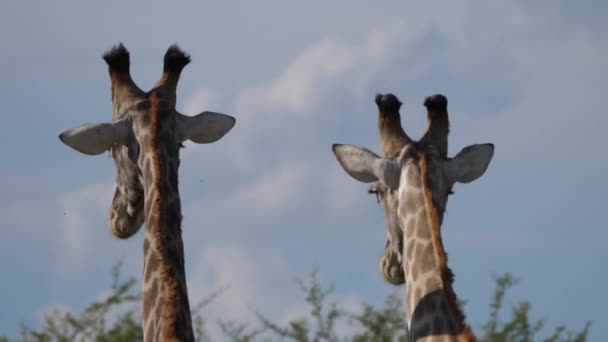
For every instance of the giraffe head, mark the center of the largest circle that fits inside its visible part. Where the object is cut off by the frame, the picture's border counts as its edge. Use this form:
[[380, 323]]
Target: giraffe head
[[130, 104]]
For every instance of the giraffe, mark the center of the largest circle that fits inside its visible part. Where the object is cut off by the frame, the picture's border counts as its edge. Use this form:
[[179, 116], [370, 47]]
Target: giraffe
[[421, 179], [146, 134], [392, 139]]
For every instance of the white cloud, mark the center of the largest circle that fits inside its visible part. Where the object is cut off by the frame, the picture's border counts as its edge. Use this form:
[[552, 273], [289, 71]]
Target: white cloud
[[255, 279], [83, 210], [345, 194], [328, 70], [203, 99], [298, 87], [275, 193], [234, 267], [278, 191], [322, 69], [351, 303]]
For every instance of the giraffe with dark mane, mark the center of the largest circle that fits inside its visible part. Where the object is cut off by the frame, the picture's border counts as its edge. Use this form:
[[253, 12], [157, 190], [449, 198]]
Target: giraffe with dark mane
[[144, 138]]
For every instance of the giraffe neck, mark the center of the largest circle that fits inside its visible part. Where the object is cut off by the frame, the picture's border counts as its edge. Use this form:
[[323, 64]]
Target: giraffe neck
[[166, 310], [432, 309]]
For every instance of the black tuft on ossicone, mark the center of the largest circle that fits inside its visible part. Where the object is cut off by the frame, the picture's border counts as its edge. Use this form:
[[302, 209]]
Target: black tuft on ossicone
[[378, 99], [436, 102], [175, 59], [387, 103], [117, 58]]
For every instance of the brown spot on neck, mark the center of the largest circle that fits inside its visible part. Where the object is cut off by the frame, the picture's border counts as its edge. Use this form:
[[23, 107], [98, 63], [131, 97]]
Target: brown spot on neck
[[447, 276]]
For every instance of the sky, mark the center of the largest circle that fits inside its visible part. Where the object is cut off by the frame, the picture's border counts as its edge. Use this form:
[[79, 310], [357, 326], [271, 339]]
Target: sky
[[267, 203]]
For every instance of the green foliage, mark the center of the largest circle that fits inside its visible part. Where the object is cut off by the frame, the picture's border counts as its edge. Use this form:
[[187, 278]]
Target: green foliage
[[520, 327], [323, 319], [116, 318], [90, 324], [94, 322], [384, 324], [198, 322], [238, 332]]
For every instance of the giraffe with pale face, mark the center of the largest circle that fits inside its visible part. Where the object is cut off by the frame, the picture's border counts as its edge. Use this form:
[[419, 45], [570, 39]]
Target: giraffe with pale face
[[145, 137], [420, 179]]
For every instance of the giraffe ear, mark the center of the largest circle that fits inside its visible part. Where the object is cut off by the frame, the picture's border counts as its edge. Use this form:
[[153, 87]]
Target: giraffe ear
[[470, 163], [94, 139], [204, 128], [366, 166]]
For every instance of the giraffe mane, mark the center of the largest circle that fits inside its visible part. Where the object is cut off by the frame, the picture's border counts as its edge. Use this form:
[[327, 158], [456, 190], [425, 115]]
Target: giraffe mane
[[168, 304], [447, 277]]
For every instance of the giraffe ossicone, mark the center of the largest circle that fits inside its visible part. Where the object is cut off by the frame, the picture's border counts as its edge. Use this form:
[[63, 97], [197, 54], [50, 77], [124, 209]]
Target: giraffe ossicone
[[145, 137], [413, 180]]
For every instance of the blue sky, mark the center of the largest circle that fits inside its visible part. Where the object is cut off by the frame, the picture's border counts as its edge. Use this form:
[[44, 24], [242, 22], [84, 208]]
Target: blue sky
[[268, 201]]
